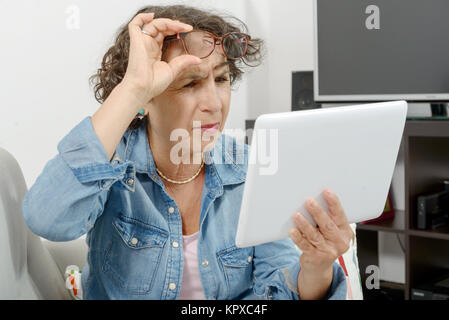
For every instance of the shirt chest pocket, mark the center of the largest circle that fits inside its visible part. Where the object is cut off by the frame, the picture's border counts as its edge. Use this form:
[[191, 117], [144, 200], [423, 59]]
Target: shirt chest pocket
[[236, 264], [134, 254]]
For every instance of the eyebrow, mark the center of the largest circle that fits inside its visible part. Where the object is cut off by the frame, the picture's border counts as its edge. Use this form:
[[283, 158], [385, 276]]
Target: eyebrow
[[195, 76], [221, 65]]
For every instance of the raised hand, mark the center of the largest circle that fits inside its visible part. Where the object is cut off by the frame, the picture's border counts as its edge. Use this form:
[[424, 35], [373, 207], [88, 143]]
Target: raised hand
[[146, 72]]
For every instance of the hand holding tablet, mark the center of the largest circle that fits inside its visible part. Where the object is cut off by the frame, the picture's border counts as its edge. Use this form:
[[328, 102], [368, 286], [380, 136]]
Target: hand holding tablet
[[349, 150], [323, 244]]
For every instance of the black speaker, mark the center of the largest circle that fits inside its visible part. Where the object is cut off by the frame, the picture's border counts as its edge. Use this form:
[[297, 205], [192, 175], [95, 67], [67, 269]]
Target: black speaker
[[249, 126], [302, 91]]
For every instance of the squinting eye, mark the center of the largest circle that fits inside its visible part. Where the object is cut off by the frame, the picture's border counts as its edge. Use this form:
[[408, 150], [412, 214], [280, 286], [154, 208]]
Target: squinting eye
[[222, 79], [190, 85]]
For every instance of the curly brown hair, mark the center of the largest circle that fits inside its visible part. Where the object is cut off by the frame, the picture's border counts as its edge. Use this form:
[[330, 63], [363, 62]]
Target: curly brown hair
[[115, 61]]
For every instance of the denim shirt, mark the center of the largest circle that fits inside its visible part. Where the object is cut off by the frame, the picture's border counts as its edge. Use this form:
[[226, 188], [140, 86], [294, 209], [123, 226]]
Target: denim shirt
[[134, 227]]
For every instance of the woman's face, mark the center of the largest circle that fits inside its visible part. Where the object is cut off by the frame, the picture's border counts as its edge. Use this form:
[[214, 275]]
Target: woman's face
[[197, 101]]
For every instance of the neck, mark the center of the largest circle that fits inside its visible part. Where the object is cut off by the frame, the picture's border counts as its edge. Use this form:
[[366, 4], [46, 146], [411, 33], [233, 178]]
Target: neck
[[161, 154]]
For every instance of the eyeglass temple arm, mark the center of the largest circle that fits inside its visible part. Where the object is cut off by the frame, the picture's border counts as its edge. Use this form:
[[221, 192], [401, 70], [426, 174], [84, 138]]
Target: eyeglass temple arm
[[179, 35], [173, 37]]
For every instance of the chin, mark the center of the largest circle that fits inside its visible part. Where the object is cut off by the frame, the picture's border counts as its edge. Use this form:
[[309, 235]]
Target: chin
[[209, 145]]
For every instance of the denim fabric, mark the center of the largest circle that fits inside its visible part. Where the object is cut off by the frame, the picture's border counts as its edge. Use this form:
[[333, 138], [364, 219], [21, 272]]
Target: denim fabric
[[132, 223]]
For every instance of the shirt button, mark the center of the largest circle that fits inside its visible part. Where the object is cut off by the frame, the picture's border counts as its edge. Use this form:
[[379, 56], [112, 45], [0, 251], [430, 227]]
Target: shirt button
[[175, 244], [130, 182], [134, 241], [172, 286], [171, 210], [205, 263], [250, 259]]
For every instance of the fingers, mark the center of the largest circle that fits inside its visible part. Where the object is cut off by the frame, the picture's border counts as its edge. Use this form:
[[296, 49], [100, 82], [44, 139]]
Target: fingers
[[311, 233], [180, 63], [138, 21], [160, 28], [300, 241], [327, 227], [337, 212], [335, 209], [330, 238]]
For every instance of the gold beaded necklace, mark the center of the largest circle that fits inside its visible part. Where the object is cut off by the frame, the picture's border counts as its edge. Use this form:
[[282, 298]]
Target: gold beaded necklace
[[185, 181]]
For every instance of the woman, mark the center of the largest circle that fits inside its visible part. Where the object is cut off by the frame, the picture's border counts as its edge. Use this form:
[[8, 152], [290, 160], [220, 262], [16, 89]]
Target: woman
[[160, 227]]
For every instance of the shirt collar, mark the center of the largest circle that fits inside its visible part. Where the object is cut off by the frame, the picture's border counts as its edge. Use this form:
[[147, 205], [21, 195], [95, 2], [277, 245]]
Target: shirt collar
[[227, 162]]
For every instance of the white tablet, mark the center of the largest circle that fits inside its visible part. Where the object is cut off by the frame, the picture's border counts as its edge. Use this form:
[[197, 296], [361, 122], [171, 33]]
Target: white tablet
[[350, 150]]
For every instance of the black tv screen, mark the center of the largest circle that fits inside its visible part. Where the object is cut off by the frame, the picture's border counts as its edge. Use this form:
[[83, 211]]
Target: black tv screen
[[377, 50]]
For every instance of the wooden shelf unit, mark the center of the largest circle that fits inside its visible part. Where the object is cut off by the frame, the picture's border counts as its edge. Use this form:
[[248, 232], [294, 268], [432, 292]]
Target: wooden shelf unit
[[426, 164]]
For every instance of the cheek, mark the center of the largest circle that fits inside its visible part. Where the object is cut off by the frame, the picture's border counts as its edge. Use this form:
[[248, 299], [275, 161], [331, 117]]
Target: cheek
[[223, 89], [225, 97], [174, 112]]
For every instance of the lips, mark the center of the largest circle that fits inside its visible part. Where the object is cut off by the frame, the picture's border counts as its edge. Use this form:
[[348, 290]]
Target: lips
[[210, 126]]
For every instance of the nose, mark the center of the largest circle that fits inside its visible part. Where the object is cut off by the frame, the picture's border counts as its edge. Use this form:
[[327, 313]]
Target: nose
[[210, 99]]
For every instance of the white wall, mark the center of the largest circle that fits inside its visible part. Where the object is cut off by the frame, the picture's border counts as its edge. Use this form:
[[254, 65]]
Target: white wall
[[46, 63], [287, 28]]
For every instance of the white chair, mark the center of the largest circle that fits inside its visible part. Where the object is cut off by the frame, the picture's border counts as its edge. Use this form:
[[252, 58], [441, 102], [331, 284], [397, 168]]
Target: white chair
[[30, 267]]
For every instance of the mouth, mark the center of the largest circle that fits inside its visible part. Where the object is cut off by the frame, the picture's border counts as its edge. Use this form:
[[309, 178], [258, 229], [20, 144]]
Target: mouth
[[213, 126]]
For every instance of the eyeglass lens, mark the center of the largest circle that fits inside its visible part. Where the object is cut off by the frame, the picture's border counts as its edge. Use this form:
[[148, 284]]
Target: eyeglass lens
[[201, 44], [235, 45]]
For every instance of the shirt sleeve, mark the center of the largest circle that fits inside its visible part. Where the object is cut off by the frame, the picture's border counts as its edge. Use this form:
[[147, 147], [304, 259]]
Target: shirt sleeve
[[276, 269], [70, 193]]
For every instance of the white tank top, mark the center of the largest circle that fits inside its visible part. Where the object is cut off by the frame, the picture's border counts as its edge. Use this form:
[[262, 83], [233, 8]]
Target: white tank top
[[191, 288]]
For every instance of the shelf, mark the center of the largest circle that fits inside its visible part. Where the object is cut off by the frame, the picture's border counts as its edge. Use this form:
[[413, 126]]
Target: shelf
[[426, 128], [440, 233], [426, 118], [396, 224], [426, 163], [392, 285], [388, 291]]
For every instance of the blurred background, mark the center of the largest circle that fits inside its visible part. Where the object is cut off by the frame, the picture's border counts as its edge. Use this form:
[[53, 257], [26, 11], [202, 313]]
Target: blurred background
[[49, 49]]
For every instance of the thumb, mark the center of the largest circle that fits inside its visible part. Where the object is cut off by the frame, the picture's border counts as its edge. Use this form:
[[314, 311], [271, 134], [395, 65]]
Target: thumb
[[180, 63]]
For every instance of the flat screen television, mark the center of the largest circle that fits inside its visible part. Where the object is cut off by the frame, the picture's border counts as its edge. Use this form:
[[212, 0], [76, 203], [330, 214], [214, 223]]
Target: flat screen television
[[381, 50]]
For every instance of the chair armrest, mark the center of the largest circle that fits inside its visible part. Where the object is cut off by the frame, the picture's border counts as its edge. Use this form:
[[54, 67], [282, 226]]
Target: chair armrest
[[68, 253]]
